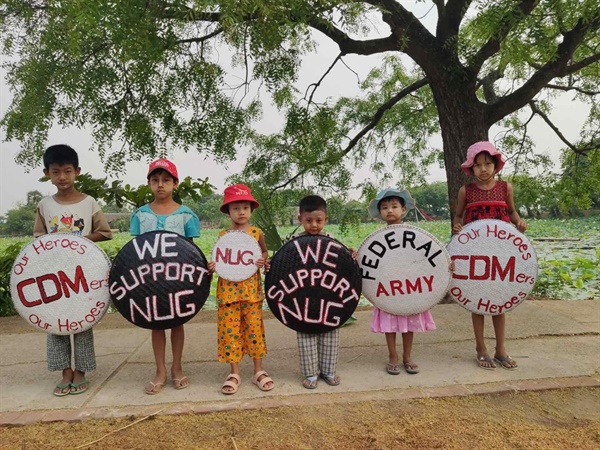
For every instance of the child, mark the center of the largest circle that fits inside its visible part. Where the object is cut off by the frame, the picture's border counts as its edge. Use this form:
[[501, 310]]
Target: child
[[164, 213], [61, 165], [487, 198], [318, 352], [240, 328], [392, 205]]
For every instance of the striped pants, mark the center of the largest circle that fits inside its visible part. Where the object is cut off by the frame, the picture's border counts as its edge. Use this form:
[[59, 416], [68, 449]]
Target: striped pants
[[319, 352], [58, 350]]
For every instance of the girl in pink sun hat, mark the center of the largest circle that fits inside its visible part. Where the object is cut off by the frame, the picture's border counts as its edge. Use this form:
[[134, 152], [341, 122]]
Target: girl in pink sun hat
[[487, 198]]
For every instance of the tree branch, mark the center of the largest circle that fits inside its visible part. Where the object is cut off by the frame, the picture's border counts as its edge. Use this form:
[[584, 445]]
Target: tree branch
[[348, 45], [372, 124], [580, 65], [411, 35], [572, 88], [543, 115], [450, 17], [506, 24], [487, 83], [522, 96], [318, 83], [201, 38]]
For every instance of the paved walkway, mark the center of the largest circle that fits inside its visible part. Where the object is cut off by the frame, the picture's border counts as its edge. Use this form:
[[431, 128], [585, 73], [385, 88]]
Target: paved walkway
[[556, 344]]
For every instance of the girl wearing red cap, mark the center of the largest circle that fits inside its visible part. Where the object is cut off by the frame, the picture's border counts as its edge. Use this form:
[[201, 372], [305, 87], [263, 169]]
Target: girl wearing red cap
[[240, 328], [487, 198]]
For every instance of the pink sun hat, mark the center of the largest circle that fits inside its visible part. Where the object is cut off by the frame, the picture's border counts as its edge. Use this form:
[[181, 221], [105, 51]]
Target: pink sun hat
[[476, 149]]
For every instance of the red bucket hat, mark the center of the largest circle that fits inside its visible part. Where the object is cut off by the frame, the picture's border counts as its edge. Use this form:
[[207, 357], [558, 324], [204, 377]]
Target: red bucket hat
[[476, 149], [163, 164], [237, 193]]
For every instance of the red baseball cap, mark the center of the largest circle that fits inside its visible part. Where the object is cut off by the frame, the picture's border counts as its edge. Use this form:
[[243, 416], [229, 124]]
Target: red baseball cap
[[237, 193], [163, 164]]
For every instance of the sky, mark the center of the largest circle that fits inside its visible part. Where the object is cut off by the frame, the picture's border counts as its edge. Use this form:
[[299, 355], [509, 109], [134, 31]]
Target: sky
[[16, 181]]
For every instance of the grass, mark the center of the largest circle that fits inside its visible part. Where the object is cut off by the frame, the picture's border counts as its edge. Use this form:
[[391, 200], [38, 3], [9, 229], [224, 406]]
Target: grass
[[569, 267]]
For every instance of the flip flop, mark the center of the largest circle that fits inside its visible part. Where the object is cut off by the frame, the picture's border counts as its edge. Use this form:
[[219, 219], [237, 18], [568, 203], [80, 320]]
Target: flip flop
[[62, 387], [331, 380], [234, 386], [393, 369], [411, 368], [310, 384], [266, 379], [487, 359], [155, 388], [506, 362], [181, 383], [79, 388]]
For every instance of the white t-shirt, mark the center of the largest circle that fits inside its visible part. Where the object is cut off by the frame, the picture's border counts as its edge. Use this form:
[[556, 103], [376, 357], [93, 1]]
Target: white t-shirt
[[82, 218]]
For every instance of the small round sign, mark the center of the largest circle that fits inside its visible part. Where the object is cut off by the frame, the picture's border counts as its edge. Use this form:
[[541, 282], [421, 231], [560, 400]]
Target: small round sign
[[495, 267], [235, 254], [159, 280], [405, 270], [313, 284], [59, 283]]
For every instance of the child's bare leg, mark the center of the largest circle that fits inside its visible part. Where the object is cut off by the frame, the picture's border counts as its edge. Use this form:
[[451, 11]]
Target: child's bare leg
[[159, 343], [407, 341], [390, 339], [177, 340], [257, 368], [482, 354], [67, 379], [499, 322], [235, 369]]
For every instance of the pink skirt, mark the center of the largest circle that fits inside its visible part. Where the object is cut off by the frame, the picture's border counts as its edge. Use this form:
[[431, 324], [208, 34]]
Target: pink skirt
[[383, 322]]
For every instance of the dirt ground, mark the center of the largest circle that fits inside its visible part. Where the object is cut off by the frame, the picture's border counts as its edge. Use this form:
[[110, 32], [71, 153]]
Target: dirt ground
[[561, 419]]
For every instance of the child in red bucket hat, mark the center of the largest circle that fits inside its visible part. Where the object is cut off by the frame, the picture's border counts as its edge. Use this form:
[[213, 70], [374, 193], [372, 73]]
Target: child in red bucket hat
[[487, 198], [240, 328]]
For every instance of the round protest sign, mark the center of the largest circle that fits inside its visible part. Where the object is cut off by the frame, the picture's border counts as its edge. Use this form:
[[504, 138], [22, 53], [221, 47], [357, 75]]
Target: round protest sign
[[235, 254], [405, 270], [313, 284], [159, 280], [495, 267], [59, 283]]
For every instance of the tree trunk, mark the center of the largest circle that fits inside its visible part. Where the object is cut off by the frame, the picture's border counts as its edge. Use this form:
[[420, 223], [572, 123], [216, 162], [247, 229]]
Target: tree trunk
[[462, 121]]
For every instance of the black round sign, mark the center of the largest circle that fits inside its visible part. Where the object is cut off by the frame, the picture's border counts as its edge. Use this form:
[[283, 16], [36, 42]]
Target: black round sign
[[159, 280], [313, 284]]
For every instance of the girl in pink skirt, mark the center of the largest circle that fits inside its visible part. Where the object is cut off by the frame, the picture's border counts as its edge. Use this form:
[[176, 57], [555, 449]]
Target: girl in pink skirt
[[391, 205]]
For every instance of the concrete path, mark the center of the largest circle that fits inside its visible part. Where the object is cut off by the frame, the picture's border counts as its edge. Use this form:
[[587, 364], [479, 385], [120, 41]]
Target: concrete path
[[556, 344]]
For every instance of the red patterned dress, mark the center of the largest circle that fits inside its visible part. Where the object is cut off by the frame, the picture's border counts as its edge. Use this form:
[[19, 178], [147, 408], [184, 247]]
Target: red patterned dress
[[490, 204]]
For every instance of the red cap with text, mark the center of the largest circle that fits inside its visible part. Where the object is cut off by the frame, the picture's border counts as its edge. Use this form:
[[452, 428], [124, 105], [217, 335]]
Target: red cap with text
[[163, 164], [237, 193]]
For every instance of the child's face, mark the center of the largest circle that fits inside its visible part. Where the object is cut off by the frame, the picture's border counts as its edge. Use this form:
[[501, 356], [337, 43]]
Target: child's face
[[391, 210], [313, 222], [484, 167], [162, 184], [62, 175], [240, 212]]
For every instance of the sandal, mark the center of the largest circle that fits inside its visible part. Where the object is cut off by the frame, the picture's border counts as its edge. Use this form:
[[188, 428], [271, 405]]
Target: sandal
[[331, 380], [181, 383], [506, 362], [79, 388], [485, 359], [62, 389], [230, 384], [154, 388], [261, 383], [411, 368], [310, 382], [392, 369]]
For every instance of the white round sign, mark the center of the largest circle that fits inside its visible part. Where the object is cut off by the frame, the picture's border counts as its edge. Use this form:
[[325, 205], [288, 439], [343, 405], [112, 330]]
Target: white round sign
[[235, 254], [405, 270], [495, 267], [59, 283]]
